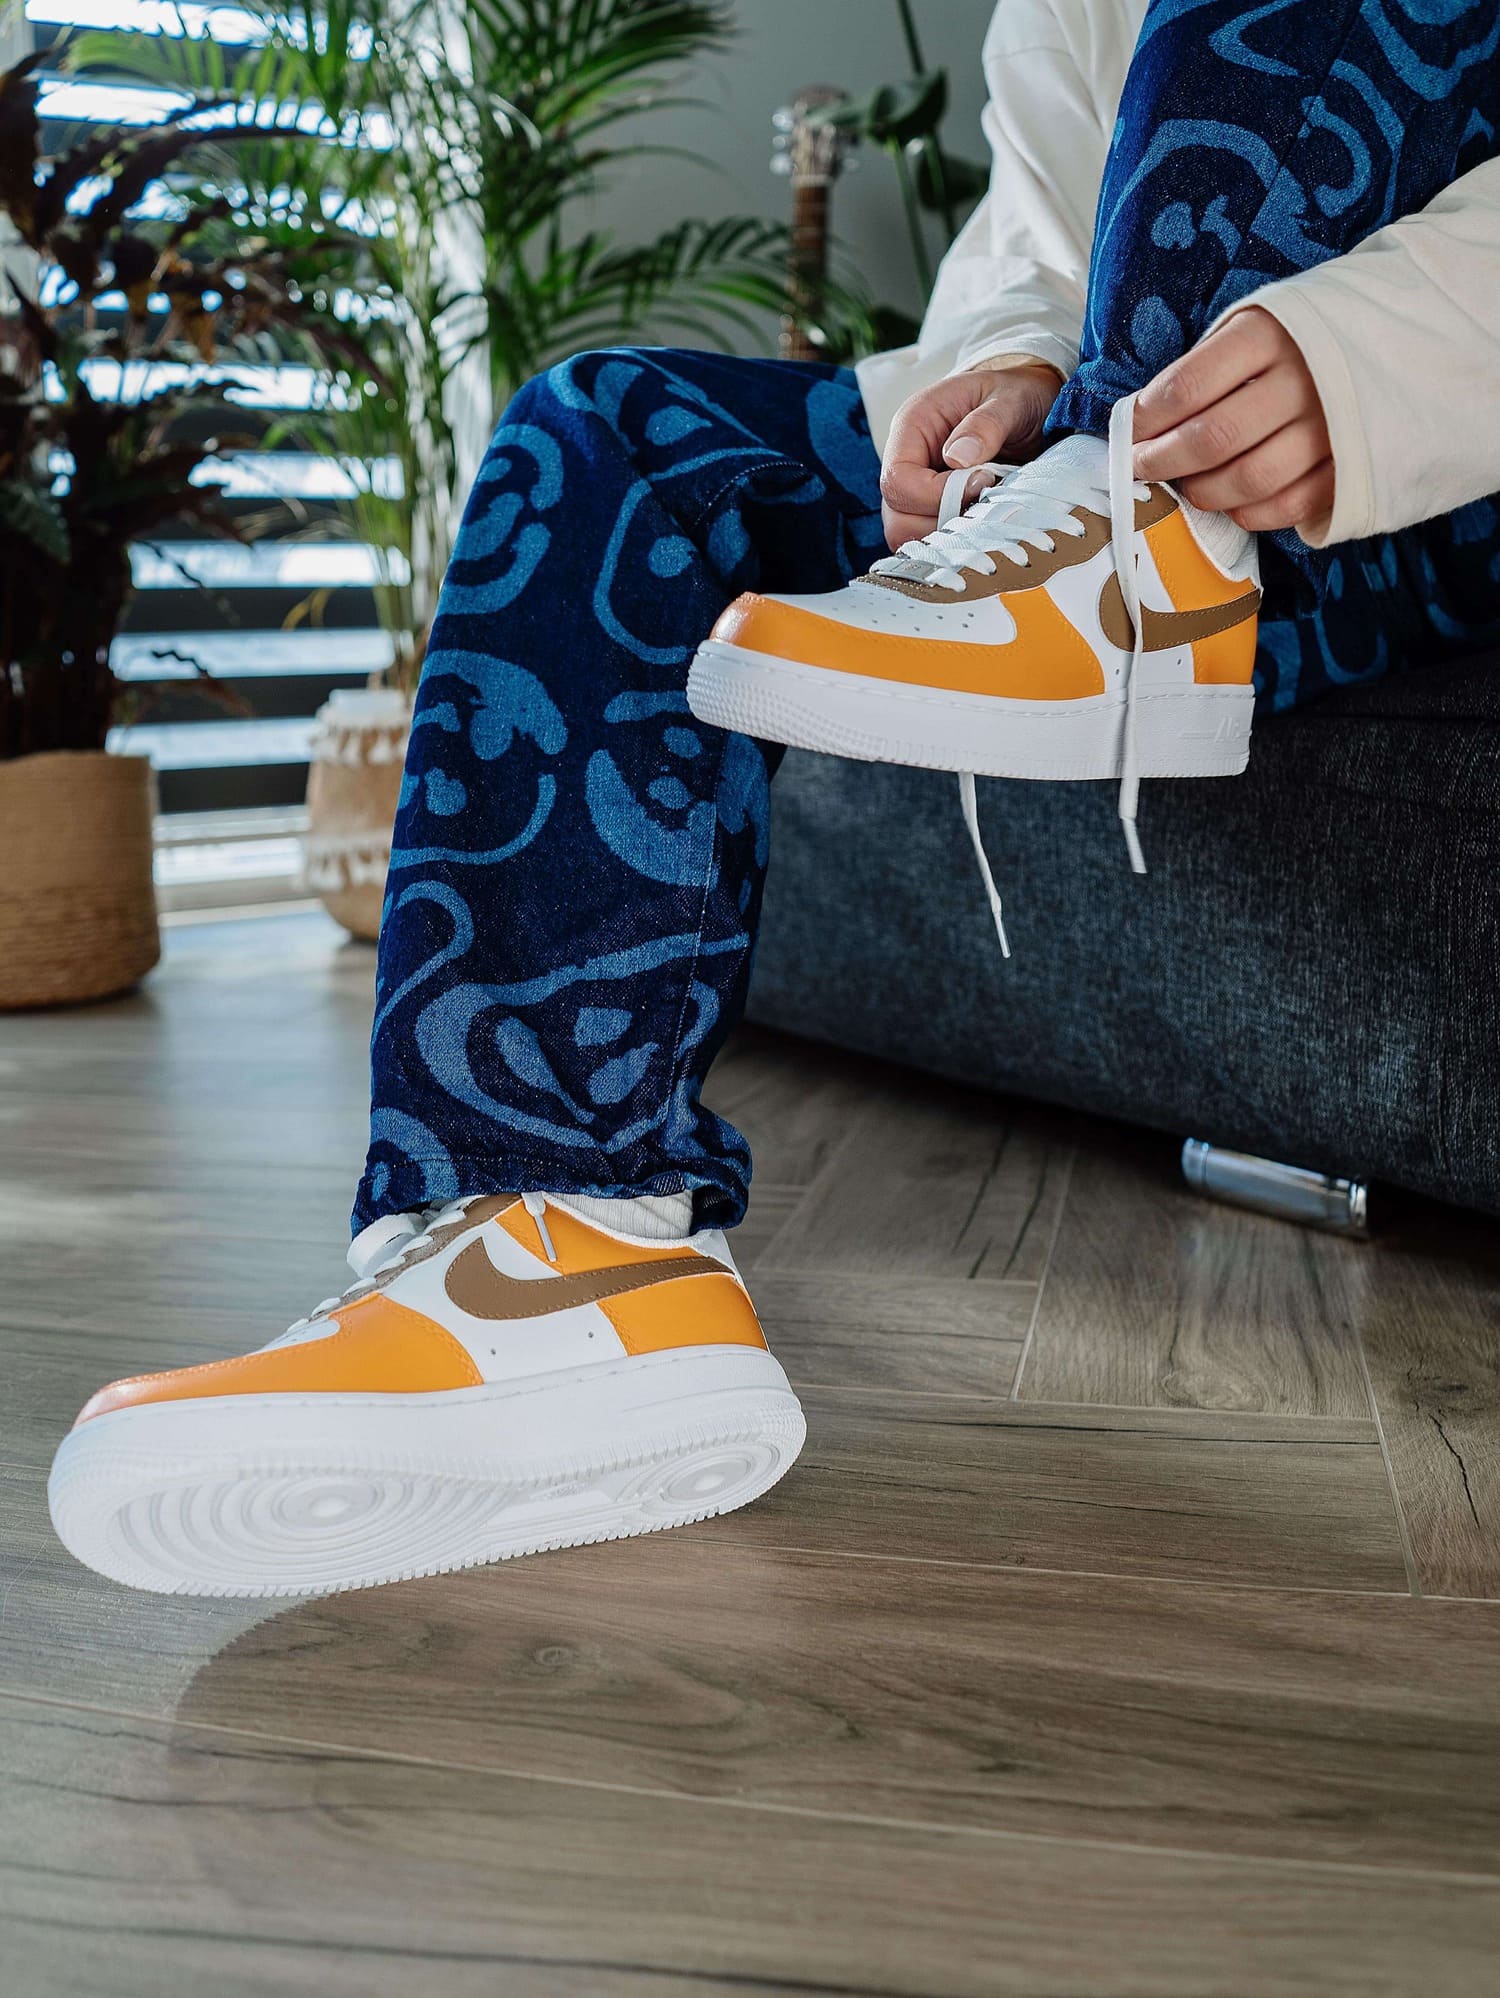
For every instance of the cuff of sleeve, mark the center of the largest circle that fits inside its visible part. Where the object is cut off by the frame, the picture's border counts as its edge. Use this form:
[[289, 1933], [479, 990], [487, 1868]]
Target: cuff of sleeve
[[1018, 350], [999, 364], [1353, 511]]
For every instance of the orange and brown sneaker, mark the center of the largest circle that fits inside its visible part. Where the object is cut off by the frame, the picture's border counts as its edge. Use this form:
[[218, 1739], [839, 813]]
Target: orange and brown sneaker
[[506, 1377], [1006, 644]]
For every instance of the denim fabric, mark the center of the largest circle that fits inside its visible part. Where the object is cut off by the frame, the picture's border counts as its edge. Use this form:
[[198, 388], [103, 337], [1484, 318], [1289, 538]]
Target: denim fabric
[[1254, 142], [577, 872], [577, 864]]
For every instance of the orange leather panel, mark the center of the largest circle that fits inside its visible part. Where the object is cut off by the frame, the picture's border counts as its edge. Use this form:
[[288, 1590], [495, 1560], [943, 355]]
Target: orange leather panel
[[700, 1311], [709, 1310], [379, 1348], [1193, 583], [580, 1247], [1228, 658], [1047, 660]]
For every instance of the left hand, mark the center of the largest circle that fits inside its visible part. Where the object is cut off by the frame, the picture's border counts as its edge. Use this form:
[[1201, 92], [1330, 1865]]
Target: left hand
[[1237, 426]]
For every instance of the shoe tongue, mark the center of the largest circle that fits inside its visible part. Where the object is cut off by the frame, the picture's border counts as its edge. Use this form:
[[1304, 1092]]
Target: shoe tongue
[[374, 1243], [1088, 456], [1076, 467]]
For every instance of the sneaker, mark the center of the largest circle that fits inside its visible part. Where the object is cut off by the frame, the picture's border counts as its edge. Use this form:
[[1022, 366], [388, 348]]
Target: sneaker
[[1071, 623], [505, 1377]]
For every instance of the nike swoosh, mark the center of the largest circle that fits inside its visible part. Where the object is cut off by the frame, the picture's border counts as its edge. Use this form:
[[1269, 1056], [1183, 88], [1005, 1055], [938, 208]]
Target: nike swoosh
[[1168, 628], [476, 1286]]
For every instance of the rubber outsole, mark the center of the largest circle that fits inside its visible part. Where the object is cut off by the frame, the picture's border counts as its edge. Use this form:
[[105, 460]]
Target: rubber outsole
[[1182, 730], [266, 1496]]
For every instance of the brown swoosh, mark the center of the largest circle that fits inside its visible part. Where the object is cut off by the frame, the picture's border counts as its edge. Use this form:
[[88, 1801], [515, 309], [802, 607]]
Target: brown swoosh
[[1166, 628], [476, 1286]]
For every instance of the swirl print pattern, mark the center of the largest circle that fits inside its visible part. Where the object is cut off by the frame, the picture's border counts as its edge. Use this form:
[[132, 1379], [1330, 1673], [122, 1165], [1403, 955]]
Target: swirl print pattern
[[578, 863]]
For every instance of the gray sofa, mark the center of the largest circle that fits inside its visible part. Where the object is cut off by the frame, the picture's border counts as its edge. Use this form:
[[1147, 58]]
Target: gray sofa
[[1310, 970]]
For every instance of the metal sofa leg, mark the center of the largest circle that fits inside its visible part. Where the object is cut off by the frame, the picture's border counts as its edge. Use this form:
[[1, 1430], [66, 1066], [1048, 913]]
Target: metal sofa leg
[[1291, 1193]]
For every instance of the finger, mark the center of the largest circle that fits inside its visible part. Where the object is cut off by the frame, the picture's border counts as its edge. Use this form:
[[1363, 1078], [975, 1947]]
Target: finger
[[1007, 424], [978, 437], [1260, 474], [1306, 499], [908, 486], [1245, 346], [1245, 417], [902, 527], [913, 451]]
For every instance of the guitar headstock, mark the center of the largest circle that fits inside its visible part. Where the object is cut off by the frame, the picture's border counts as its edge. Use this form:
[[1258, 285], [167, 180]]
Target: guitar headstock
[[806, 149]]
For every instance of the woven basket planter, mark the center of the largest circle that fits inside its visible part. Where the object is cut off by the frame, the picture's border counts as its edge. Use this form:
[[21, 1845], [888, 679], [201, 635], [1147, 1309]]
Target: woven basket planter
[[353, 784], [77, 908]]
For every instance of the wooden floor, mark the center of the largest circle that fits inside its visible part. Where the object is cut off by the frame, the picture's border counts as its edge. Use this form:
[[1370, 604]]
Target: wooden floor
[[1130, 1625]]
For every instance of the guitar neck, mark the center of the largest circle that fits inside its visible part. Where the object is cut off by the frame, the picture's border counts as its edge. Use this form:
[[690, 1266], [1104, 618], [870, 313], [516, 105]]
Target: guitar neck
[[809, 265]]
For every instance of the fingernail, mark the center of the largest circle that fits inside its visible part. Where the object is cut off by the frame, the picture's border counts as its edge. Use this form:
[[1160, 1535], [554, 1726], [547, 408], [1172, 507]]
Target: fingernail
[[960, 451]]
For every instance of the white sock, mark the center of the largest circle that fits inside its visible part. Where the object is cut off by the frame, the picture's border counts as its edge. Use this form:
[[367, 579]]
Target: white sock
[[651, 1217]]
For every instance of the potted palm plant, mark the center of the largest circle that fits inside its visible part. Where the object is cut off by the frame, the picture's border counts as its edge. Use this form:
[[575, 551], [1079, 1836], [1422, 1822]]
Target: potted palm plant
[[116, 336], [487, 124]]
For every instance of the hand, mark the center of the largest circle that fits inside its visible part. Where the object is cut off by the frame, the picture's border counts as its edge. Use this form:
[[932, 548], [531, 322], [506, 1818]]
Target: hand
[[1237, 426], [984, 413]]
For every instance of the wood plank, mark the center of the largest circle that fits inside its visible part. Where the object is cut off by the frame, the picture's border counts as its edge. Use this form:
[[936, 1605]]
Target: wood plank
[[956, 1480], [66, 1632], [1159, 1298], [931, 1181], [792, 1099], [233, 1294], [1429, 1314], [1253, 1722], [770, 1204], [895, 1333], [172, 1843]]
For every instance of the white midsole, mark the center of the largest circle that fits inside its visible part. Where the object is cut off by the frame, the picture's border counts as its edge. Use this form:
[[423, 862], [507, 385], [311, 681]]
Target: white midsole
[[241, 1494], [1182, 729]]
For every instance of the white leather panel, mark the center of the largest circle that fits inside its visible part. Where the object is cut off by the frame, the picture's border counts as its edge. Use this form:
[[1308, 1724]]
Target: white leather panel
[[509, 1348], [871, 608], [1076, 593]]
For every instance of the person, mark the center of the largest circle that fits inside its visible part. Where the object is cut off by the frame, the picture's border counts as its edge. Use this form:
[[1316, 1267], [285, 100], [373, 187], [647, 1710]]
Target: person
[[1230, 304]]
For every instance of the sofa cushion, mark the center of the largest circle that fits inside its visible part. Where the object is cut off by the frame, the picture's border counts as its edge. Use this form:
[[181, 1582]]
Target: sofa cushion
[[1310, 969]]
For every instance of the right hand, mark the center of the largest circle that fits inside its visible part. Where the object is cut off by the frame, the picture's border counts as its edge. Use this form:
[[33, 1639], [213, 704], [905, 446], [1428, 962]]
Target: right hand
[[982, 414]]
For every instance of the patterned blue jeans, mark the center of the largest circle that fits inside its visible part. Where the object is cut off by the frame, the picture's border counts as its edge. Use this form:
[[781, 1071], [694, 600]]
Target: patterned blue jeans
[[578, 863]]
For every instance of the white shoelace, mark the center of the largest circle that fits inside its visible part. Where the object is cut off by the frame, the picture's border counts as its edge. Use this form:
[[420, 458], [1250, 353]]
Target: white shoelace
[[387, 1242], [1028, 507]]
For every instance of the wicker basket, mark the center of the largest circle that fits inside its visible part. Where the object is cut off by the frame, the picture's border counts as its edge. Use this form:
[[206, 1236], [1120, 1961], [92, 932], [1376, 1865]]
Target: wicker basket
[[77, 908], [353, 785]]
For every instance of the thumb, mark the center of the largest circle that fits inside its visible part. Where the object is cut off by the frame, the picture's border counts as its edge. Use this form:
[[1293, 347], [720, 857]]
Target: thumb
[[980, 436], [1007, 423]]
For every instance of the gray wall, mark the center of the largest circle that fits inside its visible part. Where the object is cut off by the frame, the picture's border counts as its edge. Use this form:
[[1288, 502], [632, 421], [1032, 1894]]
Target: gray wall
[[783, 45]]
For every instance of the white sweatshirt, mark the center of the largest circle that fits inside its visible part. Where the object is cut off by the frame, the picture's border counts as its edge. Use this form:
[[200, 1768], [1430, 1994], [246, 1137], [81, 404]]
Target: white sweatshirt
[[1402, 333]]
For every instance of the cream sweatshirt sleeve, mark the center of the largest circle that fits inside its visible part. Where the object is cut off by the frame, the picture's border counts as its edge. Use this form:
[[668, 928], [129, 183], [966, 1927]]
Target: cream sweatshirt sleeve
[[1402, 335], [1015, 280]]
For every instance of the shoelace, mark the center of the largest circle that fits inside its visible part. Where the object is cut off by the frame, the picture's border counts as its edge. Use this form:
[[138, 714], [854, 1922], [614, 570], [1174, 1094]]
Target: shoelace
[[1005, 522], [387, 1242]]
